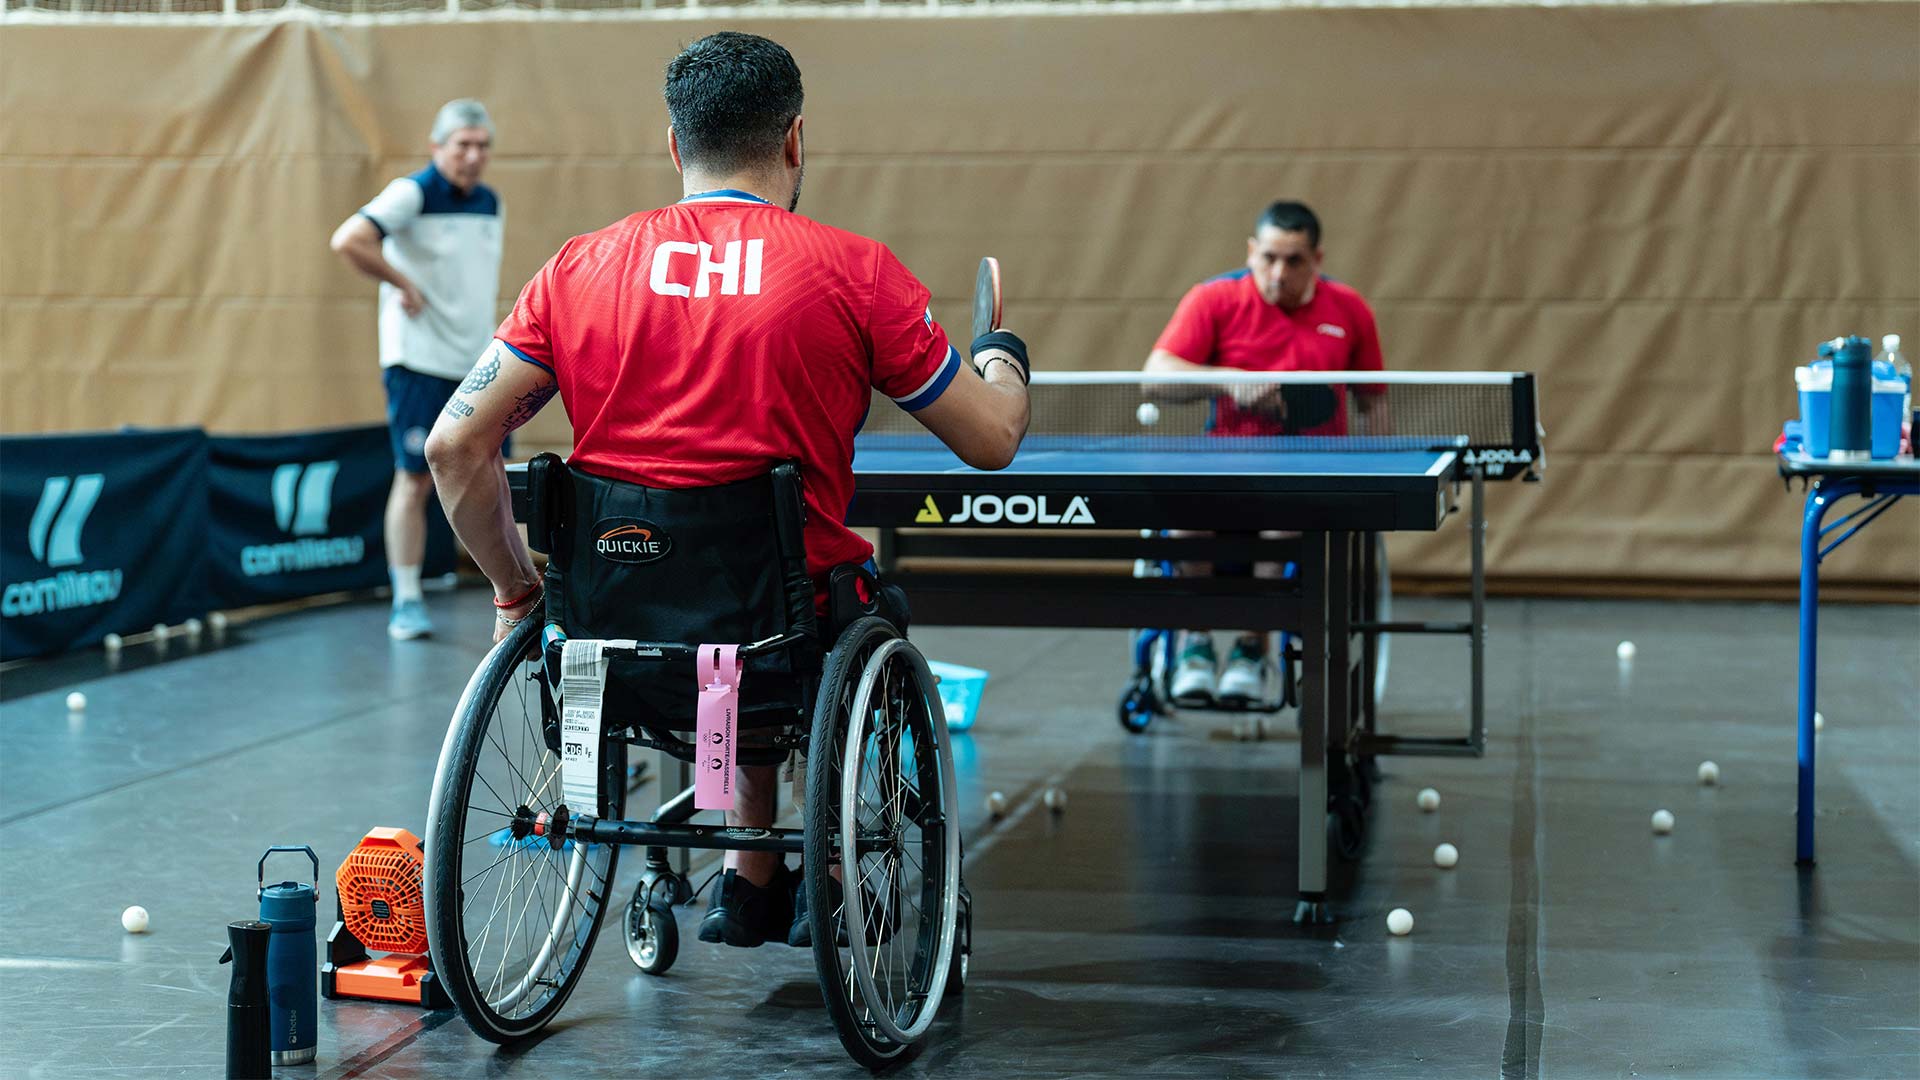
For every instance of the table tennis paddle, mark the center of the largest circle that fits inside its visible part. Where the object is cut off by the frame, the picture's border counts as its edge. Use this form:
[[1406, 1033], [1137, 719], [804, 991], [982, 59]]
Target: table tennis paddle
[[986, 297], [1308, 406]]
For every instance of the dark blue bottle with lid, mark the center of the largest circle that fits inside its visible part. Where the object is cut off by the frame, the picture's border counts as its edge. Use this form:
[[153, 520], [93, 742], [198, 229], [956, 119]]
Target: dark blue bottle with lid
[[293, 962], [1851, 425]]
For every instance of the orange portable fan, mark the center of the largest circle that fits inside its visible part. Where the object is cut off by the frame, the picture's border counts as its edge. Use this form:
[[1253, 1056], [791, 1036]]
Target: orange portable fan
[[378, 890]]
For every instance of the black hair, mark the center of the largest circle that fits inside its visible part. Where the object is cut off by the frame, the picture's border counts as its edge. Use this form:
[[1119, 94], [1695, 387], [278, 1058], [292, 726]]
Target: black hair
[[1291, 217], [731, 98]]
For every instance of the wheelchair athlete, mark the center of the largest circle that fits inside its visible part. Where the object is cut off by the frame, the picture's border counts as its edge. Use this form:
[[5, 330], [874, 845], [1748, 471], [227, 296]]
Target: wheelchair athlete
[[705, 342]]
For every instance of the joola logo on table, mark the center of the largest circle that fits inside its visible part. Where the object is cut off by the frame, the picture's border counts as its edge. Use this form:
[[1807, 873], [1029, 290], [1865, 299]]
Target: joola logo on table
[[1013, 509], [53, 537], [630, 540], [302, 505], [738, 276]]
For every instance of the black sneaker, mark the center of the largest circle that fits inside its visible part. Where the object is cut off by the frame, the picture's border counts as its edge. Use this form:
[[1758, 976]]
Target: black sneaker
[[745, 915], [800, 934]]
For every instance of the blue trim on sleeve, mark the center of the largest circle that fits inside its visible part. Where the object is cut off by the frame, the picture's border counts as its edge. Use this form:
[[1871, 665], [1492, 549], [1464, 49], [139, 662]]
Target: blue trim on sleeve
[[528, 359], [940, 383], [382, 229]]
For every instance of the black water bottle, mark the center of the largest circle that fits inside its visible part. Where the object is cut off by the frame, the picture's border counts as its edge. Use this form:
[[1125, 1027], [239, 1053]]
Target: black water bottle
[[249, 1038], [1850, 431]]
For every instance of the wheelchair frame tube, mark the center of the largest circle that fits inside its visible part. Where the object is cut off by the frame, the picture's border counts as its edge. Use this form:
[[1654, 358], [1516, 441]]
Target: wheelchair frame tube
[[704, 837]]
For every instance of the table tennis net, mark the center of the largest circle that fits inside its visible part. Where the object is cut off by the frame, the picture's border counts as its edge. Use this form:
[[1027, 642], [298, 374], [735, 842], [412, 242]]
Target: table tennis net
[[1263, 411]]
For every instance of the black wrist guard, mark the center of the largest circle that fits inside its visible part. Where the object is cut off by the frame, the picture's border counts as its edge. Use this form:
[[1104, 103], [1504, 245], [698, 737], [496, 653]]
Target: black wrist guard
[[1007, 341]]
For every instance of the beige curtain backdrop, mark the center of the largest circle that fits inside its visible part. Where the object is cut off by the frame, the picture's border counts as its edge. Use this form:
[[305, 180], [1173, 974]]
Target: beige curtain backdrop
[[1660, 210]]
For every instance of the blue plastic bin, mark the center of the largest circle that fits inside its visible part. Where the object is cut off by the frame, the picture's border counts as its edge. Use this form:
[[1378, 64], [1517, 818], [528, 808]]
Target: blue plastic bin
[[1815, 385], [960, 691]]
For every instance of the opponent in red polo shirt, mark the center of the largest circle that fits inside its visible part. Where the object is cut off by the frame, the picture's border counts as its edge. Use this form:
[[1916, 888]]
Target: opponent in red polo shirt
[[1277, 314], [706, 342]]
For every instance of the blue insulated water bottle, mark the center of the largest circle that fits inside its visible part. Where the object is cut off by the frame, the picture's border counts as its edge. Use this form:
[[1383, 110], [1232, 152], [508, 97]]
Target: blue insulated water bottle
[[1850, 433], [293, 962]]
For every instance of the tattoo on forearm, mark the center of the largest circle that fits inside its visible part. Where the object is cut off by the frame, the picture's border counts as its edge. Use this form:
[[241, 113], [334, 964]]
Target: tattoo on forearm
[[458, 408], [483, 373], [529, 403]]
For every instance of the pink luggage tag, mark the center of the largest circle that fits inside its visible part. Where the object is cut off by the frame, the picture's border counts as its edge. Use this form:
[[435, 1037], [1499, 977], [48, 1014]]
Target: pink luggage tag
[[719, 676]]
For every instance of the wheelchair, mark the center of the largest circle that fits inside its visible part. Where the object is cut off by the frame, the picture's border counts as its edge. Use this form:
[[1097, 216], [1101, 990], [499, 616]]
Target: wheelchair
[[518, 883], [1148, 691]]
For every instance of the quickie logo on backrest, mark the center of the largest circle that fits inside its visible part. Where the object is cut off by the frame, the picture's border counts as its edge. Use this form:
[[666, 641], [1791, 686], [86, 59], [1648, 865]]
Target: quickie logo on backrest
[[302, 504], [630, 540], [53, 536]]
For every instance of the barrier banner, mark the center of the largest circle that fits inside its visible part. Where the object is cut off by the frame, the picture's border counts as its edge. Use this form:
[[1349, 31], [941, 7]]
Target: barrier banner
[[299, 515], [99, 534]]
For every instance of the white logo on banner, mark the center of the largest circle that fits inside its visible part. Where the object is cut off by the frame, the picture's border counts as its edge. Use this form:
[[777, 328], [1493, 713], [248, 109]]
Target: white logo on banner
[[302, 505], [53, 536]]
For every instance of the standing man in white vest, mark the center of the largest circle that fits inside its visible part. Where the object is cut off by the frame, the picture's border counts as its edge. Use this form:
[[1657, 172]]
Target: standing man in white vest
[[432, 240]]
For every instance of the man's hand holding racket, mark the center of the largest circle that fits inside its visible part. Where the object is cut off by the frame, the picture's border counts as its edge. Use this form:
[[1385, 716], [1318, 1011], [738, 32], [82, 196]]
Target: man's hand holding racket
[[990, 343]]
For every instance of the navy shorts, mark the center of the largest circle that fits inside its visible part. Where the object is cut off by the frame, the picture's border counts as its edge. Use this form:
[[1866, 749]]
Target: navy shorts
[[414, 402]]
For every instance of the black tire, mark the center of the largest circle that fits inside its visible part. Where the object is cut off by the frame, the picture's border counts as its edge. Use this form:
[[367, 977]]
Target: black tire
[[567, 897], [1346, 826], [869, 657], [652, 932], [962, 946]]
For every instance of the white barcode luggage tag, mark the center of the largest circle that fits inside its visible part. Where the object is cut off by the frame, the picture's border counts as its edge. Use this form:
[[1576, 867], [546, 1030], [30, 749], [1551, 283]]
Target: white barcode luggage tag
[[583, 683]]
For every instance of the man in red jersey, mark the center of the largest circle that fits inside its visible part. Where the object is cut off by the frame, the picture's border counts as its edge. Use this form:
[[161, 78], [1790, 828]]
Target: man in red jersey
[[705, 342], [1277, 314]]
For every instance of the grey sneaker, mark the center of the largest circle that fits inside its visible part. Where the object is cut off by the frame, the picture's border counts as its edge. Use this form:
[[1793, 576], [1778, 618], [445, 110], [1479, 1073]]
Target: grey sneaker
[[409, 620], [1193, 675]]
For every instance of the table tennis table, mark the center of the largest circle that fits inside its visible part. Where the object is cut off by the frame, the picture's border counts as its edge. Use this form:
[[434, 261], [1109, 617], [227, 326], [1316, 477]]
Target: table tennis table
[[989, 535]]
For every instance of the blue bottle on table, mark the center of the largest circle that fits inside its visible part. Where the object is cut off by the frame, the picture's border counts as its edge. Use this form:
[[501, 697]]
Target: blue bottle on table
[[293, 962], [1850, 431]]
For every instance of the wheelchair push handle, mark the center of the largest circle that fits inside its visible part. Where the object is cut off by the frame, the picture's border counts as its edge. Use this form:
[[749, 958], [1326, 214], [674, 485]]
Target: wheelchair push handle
[[262, 868]]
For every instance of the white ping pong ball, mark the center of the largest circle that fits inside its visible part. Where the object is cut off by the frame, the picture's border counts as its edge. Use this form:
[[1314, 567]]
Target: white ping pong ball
[[1625, 651], [134, 920], [1446, 856], [1149, 414], [76, 702], [1399, 922], [1662, 822], [1819, 721], [1709, 773], [1428, 799]]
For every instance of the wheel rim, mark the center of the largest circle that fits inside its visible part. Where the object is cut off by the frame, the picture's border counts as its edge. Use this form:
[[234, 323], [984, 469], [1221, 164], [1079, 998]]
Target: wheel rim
[[527, 912], [1383, 590], [888, 782]]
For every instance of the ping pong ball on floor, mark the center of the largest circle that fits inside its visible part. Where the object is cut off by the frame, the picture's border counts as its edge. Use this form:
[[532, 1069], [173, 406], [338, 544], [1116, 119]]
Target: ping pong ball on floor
[[1445, 856], [76, 702], [997, 804], [218, 621], [1662, 822], [111, 642], [1056, 799], [1819, 721], [1428, 799], [1625, 651], [134, 920], [1399, 922], [1709, 773], [1149, 414]]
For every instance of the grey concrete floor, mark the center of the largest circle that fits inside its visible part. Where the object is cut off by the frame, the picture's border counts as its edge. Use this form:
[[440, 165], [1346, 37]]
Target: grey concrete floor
[[1144, 932]]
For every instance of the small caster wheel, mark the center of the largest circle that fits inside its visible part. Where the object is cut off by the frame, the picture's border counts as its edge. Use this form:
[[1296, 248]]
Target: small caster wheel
[[653, 936], [1346, 826], [962, 946], [1137, 706]]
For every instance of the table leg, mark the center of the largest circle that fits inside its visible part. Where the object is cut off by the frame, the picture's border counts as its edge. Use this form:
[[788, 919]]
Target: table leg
[[1312, 907]]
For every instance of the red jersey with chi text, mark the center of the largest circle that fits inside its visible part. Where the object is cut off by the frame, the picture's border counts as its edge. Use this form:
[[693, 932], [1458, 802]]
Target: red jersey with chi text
[[1225, 322], [707, 341]]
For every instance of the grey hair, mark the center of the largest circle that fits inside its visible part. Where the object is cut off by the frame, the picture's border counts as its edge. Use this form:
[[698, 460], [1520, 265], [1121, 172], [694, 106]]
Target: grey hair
[[457, 114]]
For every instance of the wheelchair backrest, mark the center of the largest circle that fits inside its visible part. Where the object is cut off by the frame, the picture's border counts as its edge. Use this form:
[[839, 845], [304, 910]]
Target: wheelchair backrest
[[710, 564]]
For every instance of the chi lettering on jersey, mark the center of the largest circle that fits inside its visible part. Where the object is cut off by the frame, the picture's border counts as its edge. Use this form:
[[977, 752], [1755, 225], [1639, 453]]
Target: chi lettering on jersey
[[690, 270]]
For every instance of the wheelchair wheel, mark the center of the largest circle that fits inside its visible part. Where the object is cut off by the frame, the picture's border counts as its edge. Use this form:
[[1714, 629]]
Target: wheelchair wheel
[[1383, 590], [512, 906], [653, 936], [1137, 705], [880, 773]]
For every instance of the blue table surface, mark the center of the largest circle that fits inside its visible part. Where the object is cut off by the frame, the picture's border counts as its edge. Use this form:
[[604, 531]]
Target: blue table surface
[[1135, 455]]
